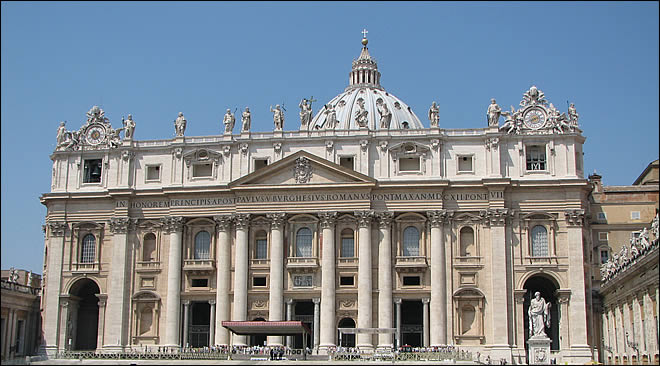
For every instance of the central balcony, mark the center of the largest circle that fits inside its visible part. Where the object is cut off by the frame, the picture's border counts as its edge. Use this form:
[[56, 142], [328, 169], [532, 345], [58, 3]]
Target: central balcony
[[302, 264], [199, 265], [411, 264]]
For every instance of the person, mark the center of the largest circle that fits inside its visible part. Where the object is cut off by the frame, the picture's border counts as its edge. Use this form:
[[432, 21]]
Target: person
[[331, 119], [493, 112], [245, 120], [61, 134], [538, 315], [278, 117], [305, 112], [129, 127], [180, 125], [434, 115], [229, 121], [385, 115]]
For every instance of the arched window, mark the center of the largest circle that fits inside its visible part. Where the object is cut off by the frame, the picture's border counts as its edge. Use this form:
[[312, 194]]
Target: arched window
[[149, 248], [202, 245], [88, 250], [347, 244], [304, 243], [539, 241], [467, 242], [411, 241], [261, 245]]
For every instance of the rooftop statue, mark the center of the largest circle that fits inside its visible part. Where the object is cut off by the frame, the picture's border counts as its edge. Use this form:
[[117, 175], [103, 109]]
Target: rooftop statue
[[180, 125], [573, 116], [246, 117], [493, 113], [229, 120], [96, 114], [513, 122], [434, 115], [129, 127], [66, 140], [305, 112], [278, 117]]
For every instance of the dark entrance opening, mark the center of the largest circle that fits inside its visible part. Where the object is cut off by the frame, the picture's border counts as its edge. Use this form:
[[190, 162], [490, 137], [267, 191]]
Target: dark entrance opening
[[304, 312], [412, 328], [200, 322], [87, 317], [258, 339], [346, 340], [548, 289]]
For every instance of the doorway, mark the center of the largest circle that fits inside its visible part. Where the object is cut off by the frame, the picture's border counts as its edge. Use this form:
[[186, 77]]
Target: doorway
[[346, 340], [87, 317], [412, 323], [200, 324], [304, 312]]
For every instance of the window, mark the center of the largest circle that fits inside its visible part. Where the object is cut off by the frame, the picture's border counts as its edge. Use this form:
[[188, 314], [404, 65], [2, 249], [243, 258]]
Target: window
[[199, 282], [303, 281], [304, 243], [149, 247], [346, 162], [202, 170], [409, 164], [92, 171], [535, 157], [634, 215], [202, 245], [464, 164], [260, 163], [88, 250], [602, 236], [601, 216], [347, 244], [467, 242], [346, 280], [258, 281], [539, 241], [411, 281], [261, 246], [153, 172], [604, 256], [411, 241]]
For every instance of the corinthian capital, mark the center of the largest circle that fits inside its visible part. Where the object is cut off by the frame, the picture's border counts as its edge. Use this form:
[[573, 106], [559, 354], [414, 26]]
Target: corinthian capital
[[438, 218], [574, 217], [242, 221], [364, 217], [495, 217], [172, 223], [223, 222], [57, 228], [327, 219], [384, 219], [276, 220]]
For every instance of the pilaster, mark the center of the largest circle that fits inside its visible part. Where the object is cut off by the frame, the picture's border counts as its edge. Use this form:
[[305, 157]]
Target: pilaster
[[51, 324]]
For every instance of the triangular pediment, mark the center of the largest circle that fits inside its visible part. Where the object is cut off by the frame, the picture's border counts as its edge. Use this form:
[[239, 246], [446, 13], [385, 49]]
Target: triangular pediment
[[302, 169]]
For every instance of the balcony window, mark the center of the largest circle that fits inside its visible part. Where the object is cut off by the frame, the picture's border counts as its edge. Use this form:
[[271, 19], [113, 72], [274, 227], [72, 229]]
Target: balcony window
[[411, 241], [88, 250], [539, 241], [304, 243], [202, 245], [347, 244], [261, 246]]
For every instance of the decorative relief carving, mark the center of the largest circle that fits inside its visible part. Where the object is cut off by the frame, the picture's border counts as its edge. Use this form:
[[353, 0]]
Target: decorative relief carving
[[277, 146], [302, 170], [172, 224], [364, 144], [244, 148], [118, 225], [242, 221], [385, 219], [177, 152], [435, 144], [226, 150], [329, 145], [495, 217], [574, 217], [259, 304], [57, 228], [491, 143], [223, 222], [383, 145], [276, 220], [346, 304], [439, 217], [327, 219], [364, 217]]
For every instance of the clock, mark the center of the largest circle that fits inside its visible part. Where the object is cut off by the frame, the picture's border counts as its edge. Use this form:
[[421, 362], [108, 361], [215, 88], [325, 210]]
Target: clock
[[534, 118], [95, 135]]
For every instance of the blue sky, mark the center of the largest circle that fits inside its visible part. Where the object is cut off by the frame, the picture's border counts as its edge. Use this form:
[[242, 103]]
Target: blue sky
[[155, 59]]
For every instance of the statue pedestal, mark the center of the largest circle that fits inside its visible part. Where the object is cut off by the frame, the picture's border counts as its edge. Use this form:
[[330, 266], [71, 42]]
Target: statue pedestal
[[538, 352]]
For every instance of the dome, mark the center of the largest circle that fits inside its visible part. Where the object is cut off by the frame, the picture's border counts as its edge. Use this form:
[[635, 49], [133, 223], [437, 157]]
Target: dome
[[365, 103]]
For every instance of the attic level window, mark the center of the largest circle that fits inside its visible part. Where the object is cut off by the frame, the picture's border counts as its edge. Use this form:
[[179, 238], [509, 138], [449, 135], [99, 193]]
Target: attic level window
[[634, 215], [409, 164], [346, 162], [92, 171], [260, 163], [536, 158], [464, 164], [202, 170], [153, 172]]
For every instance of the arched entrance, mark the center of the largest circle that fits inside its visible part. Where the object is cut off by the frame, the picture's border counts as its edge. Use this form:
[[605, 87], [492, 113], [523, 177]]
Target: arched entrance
[[258, 339], [347, 340], [548, 288], [86, 324]]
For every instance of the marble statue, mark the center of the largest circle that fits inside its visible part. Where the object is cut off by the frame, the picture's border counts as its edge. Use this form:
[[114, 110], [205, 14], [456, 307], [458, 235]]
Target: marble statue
[[385, 114], [66, 139], [434, 115], [573, 116], [13, 275], [229, 120], [96, 114], [654, 225], [129, 127], [361, 114], [493, 112], [513, 122], [113, 137], [278, 117], [30, 277], [246, 118], [61, 134], [305, 112], [180, 125], [539, 316], [557, 121], [331, 117], [644, 239]]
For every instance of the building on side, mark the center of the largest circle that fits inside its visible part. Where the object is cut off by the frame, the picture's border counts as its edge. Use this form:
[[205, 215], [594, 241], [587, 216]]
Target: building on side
[[362, 217], [20, 321]]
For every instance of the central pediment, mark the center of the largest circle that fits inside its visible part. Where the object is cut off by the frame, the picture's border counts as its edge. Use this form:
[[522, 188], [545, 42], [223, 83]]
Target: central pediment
[[305, 170]]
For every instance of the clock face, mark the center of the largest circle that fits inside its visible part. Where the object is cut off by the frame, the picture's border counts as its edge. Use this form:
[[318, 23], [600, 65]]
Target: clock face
[[534, 119], [95, 135]]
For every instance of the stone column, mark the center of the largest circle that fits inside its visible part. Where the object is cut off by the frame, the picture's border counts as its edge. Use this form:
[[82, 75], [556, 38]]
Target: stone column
[[651, 330], [119, 280], [397, 303], [364, 340], [425, 321], [317, 321], [51, 323], [438, 309], [173, 303], [328, 321], [289, 316], [223, 272], [101, 332], [241, 274], [276, 295], [212, 323], [186, 311], [638, 332], [385, 278], [620, 335]]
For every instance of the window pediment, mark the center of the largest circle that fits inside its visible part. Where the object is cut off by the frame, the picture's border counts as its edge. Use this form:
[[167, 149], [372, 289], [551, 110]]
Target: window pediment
[[408, 149], [201, 155]]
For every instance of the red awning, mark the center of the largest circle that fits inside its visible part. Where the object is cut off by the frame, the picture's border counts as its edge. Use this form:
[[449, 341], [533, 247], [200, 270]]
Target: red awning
[[266, 327]]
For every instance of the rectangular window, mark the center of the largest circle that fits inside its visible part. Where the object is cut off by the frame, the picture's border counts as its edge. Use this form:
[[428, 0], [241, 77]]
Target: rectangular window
[[202, 170], [260, 163], [199, 282], [601, 216], [153, 172], [347, 247], [602, 236], [604, 256], [262, 249], [634, 215], [409, 164], [303, 281], [258, 281], [464, 164], [346, 280], [536, 158], [92, 171], [411, 281], [346, 162]]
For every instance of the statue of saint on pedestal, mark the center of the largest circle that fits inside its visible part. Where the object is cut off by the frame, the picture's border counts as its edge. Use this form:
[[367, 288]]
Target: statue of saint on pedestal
[[246, 117], [539, 316], [494, 112], [180, 125]]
